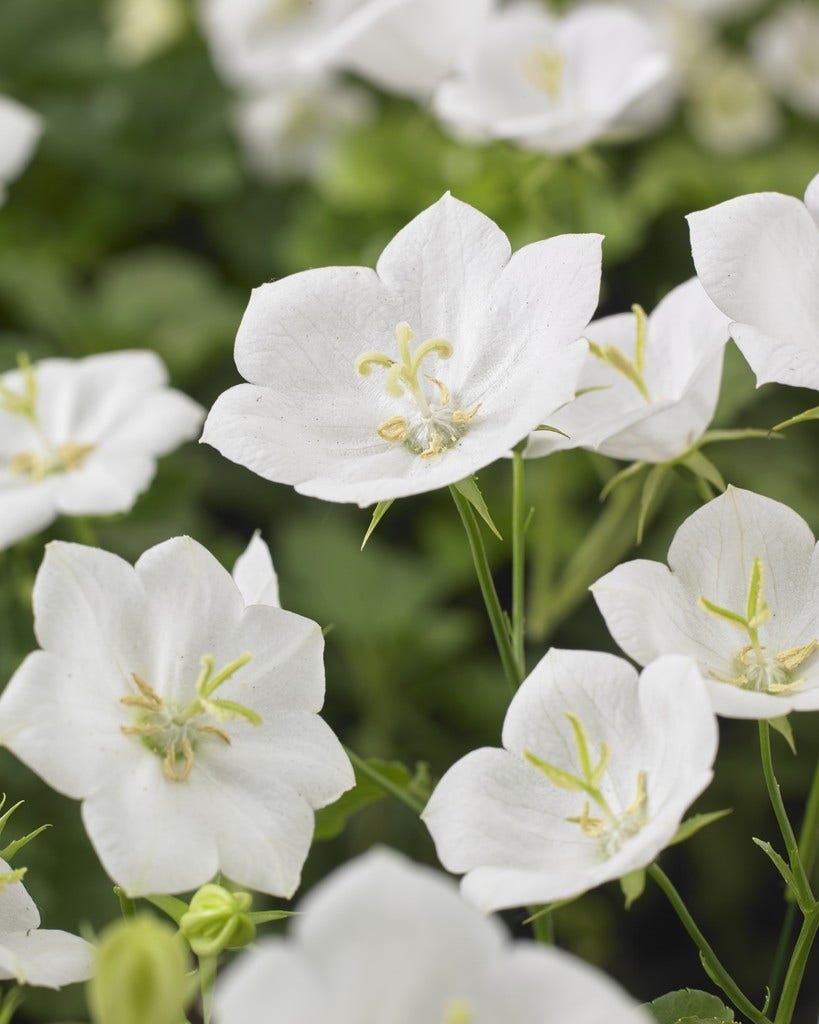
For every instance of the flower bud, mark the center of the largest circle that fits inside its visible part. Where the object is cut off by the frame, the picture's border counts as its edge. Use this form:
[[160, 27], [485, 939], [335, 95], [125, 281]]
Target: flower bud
[[217, 919], [141, 974]]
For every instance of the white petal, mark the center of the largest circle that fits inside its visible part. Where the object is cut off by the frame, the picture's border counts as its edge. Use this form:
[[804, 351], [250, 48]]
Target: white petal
[[19, 131], [25, 510], [276, 976], [46, 958], [17, 910], [758, 258], [254, 574], [812, 199], [158, 424]]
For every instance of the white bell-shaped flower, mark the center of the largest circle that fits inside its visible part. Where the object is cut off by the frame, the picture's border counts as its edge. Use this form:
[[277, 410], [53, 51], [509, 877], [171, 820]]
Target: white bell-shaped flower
[[786, 49], [757, 256], [184, 719], [597, 770], [650, 384], [19, 132], [385, 941], [739, 596], [372, 385]]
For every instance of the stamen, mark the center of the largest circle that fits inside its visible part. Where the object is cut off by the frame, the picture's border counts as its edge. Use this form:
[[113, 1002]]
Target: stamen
[[544, 69], [434, 448], [393, 430]]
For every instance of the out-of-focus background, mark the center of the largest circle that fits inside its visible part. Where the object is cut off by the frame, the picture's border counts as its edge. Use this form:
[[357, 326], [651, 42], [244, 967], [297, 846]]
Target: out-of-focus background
[[156, 201]]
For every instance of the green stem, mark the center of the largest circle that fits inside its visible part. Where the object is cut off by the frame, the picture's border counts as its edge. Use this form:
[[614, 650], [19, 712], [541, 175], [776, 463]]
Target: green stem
[[803, 892], [518, 561], [711, 961], [406, 798], [207, 979], [781, 954], [543, 929], [796, 968], [497, 619]]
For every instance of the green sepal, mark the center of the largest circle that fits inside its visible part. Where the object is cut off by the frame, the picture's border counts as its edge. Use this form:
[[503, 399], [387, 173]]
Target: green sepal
[[469, 489], [650, 489], [703, 468], [784, 870], [552, 430], [266, 916], [633, 885], [549, 908], [689, 1005], [740, 434], [802, 417], [170, 905], [14, 848], [621, 477], [696, 823], [331, 821], [379, 512], [782, 725]]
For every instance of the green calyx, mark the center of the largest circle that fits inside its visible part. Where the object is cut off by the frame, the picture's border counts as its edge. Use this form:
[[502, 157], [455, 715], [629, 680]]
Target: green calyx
[[218, 919]]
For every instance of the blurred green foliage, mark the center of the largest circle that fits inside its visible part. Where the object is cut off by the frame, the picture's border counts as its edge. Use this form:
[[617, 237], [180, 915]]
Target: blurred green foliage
[[137, 226]]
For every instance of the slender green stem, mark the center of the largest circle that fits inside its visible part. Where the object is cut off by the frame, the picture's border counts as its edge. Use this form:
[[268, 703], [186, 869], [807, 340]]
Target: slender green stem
[[497, 619], [796, 968], [803, 892], [406, 798], [207, 979], [543, 929], [782, 947], [712, 963], [518, 561]]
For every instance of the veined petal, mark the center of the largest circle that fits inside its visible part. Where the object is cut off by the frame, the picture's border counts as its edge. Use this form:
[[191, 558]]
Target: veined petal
[[25, 509], [254, 574], [18, 912], [45, 957], [274, 975]]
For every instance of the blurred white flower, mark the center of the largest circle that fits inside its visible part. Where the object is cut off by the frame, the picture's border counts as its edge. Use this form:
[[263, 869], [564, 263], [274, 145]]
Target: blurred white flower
[[740, 597], [141, 29], [20, 130], [255, 576], [81, 437], [730, 110], [599, 767], [757, 256], [786, 48], [185, 720], [403, 46], [554, 84], [384, 940], [31, 955], [290, 131], [650, 384], [371, 385]]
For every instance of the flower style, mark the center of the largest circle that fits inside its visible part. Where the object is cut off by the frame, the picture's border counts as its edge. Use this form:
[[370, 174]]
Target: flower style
[[82, 437], [739, 597], [32, 955], [403, 46], [650, 384], [417, 955], [19, 131], [786, 49], [372, 385], [757, 256], [185, 720], [597, 771], [550, 84]]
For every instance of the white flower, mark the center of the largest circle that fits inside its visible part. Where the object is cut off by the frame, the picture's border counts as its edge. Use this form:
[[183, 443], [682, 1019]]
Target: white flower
[[371, 385], [653, 382], [255, 576], [740, 597], [731, 109], [758, 258], [32, 955], [385, 941], [81, 437], [141, 29], [597, 771], [19, 132], [550, 84], [786, 48], [290, 131], [403, 46], [186, 721]]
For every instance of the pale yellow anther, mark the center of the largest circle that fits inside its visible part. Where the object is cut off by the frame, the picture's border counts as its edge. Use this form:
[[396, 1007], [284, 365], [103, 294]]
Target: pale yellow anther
[[458, 1012], [214, 730], [393, 430], [434, 447], [443, 390], [594, 828], [61, 459], [794, 657], [638, 804], [460, 416], [544, 69]]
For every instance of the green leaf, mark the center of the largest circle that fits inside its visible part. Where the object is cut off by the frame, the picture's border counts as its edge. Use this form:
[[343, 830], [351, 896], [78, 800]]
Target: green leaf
[[778, 862], [803, 417], [703, 467], [633, 885], [782, 725], [379, 512], [331, 821], [650, 489], [695, 824], [468, 488], [170, 905], [689, 1005]]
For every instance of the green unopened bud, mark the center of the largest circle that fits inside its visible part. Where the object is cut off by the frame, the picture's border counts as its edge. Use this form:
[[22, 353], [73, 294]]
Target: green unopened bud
[[141, 975], [217, 919]]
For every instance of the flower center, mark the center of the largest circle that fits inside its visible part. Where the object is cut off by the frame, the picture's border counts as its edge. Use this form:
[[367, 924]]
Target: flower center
[[544, 68], [609, 828], [50, 458], [753, 667], [173, 731], [282, 12], [433, 425], [458, 1011], [632, 369]]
